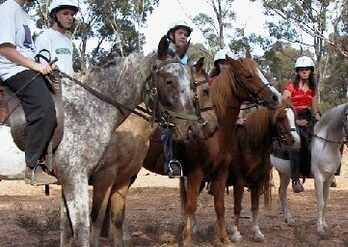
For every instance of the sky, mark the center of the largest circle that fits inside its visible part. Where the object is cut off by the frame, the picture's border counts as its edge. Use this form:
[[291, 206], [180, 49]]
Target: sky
[[248, 15]]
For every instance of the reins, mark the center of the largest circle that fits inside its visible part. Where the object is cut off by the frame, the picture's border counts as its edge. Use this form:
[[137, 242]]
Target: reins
[[108, 100], [328, 140]]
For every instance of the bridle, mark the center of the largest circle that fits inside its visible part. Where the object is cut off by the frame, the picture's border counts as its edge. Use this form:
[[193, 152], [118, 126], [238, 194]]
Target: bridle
[[253, 96], [198, 109], [159, 113], [345, 128], [277, 132]]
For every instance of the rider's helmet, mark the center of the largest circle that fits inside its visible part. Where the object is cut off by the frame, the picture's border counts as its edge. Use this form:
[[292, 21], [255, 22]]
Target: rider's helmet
[[221, 55], [304, 62], [57, 5], [179, 24]]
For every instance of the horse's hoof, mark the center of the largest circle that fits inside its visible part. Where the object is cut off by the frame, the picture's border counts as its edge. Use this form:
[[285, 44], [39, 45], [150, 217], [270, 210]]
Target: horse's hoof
[[236, 237], [290, 222], [321, 232], [260, 238]]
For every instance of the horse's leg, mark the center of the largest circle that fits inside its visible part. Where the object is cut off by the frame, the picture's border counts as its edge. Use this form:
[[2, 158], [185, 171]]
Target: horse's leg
[[238, 191], [318, 183], [117, 211], [283, 196], [101, 194], [219, 203], [75, 192], [255, 201], [189, 203], [65, 226], [326, 190]]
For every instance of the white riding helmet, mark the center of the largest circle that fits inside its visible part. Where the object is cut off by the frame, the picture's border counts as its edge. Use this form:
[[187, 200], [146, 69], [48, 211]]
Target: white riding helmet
[[179, 24], [304, 62], [63, 4], [221, 55]]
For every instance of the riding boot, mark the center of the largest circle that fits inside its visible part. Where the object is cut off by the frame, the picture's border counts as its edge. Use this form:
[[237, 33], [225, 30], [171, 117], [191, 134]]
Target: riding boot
[[171, 166], [295, 160], [38, 175]]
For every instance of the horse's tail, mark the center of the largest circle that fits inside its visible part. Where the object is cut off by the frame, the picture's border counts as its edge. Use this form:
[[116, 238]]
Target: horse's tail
[[183, 195], [267, 188]]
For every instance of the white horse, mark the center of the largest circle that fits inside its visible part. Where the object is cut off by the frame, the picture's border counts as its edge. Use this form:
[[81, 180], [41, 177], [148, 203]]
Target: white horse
[[329, 134], [325, 161], [283, 168]]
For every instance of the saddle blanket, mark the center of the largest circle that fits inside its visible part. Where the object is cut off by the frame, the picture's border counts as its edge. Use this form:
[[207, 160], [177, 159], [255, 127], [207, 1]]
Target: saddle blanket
[[12, 160]]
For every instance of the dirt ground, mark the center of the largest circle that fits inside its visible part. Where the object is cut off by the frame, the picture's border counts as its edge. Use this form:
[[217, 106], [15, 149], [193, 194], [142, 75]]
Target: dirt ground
[[29, 218]]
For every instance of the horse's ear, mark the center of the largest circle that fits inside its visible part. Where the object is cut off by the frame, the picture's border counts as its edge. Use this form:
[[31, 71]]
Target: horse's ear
[[163, 45], [181, 51], [230, 60], [285, 101], [199, 64], [248, 55]]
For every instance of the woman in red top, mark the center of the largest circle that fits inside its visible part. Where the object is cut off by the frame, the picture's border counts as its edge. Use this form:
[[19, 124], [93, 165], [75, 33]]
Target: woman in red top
[[303, 94]]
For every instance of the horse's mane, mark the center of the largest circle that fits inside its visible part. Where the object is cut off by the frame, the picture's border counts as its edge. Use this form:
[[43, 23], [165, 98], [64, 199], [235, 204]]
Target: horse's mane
[[256, 127], [222, 91], [257, 124], [332, 121], [119, 65]]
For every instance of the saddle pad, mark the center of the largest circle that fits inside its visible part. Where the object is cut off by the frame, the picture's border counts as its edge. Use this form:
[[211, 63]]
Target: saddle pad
[[280, 150]]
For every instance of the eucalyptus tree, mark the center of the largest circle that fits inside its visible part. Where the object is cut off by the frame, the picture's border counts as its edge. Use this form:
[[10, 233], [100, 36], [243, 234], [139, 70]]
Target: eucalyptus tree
[[309, 16]]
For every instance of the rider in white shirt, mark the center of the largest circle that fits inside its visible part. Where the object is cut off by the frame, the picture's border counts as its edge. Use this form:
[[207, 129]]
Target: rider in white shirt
[[54, 40], [23, 75]]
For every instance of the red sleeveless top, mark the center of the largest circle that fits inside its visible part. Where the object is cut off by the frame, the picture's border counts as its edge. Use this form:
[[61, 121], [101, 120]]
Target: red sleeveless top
[[300, 99]]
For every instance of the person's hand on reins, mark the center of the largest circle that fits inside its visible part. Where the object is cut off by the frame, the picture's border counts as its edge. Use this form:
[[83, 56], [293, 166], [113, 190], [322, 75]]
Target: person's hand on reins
[[301, 122], [44, 68]]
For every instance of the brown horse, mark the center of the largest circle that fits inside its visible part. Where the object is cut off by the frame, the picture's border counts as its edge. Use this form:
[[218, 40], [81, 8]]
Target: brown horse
[[251, 166], [210, 158], [123, 160]]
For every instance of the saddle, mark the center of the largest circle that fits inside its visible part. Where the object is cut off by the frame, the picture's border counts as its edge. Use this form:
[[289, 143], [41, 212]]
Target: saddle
[[12, 114]]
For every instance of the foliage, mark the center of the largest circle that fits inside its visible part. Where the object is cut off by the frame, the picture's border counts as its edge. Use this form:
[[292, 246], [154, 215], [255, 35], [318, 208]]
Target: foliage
[[213, 29], [197, 51], [316, 18]]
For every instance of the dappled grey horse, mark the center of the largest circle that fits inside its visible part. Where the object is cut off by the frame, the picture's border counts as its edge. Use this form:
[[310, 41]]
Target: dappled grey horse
[[90, 121]]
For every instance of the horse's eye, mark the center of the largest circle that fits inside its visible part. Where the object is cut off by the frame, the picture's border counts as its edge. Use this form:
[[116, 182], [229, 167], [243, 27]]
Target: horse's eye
[[249, 77], [206, 91], [170, 83]]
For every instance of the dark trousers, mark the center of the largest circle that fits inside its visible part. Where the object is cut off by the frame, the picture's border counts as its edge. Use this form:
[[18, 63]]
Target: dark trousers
[[168, 146], [299, 158], [39, 112]]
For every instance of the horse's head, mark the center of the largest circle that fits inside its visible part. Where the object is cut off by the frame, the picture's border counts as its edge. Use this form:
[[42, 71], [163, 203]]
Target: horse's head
[[170, 88], [202, 102], [284, 120], [251, 85]]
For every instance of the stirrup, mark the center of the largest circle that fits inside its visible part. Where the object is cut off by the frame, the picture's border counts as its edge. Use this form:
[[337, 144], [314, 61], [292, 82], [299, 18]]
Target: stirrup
[[173, 173]]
